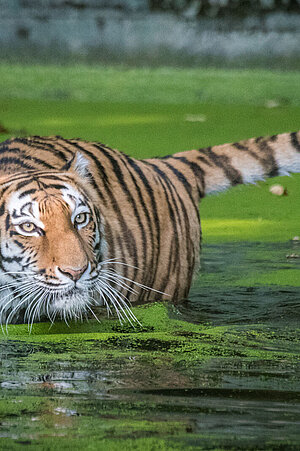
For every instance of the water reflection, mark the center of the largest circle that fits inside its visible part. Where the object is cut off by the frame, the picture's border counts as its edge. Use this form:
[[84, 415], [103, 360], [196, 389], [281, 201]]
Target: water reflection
[[226, 376]]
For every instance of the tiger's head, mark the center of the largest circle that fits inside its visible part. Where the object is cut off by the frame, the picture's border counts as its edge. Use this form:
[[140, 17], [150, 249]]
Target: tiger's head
[[51, 244]]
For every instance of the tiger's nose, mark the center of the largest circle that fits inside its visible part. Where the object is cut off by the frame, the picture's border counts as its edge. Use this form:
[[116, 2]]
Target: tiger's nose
[[73, 273]]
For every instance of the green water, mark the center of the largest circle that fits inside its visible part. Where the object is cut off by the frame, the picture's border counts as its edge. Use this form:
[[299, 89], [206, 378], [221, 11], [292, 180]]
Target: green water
[[219, 371]]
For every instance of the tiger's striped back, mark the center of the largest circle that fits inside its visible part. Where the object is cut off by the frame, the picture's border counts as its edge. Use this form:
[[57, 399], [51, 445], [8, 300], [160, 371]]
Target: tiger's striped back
[[149, 223]]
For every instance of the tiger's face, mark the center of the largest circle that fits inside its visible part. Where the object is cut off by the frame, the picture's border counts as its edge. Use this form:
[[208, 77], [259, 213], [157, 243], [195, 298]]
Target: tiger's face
[[50, 247]]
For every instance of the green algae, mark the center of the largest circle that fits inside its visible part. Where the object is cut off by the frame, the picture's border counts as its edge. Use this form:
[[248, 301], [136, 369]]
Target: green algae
[[280, 278], [220, 371], [173, 340]]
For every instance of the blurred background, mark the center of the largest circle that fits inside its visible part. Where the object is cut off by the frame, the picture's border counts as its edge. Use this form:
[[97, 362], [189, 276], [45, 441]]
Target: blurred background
[[174, 32]]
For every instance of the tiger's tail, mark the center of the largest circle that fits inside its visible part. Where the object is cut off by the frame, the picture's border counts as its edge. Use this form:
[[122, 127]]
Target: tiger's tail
[[217, 168]]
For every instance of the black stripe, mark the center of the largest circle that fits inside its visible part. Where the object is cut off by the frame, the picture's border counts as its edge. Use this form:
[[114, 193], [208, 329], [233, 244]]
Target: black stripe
[[50, 284], [28, 157], [27, 176], [164, 157], [270, 162], [120, 176], [7, 222], [264, 160], [24, 206], [12, 259], [135, 165], [240, 146], [42, 144], [166, 186], [22, 184], [2, 209], [55, 186], [191, 267], [59, 142], [295, 141], [40, 162], [189, 248], [109, 237], [67, 166], [174, 254], [92, 181], [30, 263], [258, 139], [53, 176], [2, 267], [223, 162], [204, 160], [27, 192], [3, 190], [121, 247], [256, 156], [15, 161], [199, 174], [147, 274], [19, 244], [203, 156], [13, 233], [166, 190], [188, 188], [102, 173], [173, 257], [6, 149]]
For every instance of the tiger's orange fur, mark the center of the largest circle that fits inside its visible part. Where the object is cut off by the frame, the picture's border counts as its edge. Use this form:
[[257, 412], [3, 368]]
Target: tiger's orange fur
[[143, 225]]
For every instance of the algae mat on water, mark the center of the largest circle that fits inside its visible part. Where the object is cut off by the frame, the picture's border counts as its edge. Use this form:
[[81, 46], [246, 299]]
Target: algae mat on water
[[168, 385], [219, 371]]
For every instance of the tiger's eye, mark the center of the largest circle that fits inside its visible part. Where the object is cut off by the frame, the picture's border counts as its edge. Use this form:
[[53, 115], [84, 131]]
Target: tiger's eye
[[28, 227], [81, 218]]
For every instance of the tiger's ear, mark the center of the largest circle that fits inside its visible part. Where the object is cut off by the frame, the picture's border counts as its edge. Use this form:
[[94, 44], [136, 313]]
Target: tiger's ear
[[78, 164]]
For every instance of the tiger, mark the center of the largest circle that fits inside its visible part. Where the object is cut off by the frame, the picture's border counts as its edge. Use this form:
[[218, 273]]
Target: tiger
[[83, 225]]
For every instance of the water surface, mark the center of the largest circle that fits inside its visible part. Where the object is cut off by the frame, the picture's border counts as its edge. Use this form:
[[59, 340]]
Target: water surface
[[219, 371]]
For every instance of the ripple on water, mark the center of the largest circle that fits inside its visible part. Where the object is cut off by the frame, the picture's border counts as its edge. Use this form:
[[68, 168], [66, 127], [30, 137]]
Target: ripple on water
[[223, 373]]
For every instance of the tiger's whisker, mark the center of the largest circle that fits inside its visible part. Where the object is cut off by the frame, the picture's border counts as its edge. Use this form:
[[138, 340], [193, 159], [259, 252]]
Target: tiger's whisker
[[14, 296], [112, 262], [140, 285], [17, 307], [104, 291], [91, 310], [120, 283], [115, 295]]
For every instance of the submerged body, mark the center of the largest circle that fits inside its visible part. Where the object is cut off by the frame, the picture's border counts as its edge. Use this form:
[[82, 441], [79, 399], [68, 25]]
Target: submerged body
[[84, 225]]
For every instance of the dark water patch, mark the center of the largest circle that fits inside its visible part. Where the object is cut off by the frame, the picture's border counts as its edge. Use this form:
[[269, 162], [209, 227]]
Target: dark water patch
[[223, 305], [228, 289], [262, 395], [220, 371]]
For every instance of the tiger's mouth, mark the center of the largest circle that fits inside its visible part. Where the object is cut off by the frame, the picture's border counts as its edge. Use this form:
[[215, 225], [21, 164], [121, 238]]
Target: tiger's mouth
[[31, 299]]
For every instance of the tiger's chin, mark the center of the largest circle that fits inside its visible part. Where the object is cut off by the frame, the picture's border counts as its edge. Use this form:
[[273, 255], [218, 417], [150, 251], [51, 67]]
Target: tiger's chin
[[75, 304]]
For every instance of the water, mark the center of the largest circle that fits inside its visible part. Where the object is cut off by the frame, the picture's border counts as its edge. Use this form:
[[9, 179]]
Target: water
[[219, 371]]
